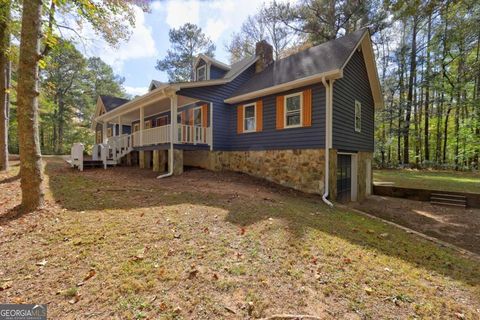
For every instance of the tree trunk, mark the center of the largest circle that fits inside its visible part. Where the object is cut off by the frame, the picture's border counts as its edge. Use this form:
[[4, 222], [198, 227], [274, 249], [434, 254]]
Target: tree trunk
[[61, 124], [4, 82], [427, 93], [31, 175], [408, 112], [458, 104], [445, 129]]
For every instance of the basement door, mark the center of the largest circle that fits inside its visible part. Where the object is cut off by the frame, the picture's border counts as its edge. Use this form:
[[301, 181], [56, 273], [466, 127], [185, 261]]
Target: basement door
[[344, 177]]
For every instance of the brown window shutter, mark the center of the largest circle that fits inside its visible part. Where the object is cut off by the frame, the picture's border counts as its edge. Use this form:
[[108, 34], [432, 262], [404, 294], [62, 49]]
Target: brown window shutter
[[240, 119], [307, 108], [204, 115], [259, 114], [190, 117], [280, 112], [182, 117]]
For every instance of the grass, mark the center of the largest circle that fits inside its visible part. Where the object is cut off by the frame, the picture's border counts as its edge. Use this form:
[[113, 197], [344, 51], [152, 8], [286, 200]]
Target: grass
[[206, 245], [430, 179]]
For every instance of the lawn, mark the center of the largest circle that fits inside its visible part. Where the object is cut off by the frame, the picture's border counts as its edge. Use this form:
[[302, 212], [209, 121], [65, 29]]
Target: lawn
[[119, 244], [430, 179]]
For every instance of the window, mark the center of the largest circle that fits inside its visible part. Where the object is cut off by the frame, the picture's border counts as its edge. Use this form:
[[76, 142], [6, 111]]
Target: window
[[293, 110], [148, 124], [358, 116], [136, 127], [109, 132], [99, 136], [202, 73], [162, 121], [249, 118]]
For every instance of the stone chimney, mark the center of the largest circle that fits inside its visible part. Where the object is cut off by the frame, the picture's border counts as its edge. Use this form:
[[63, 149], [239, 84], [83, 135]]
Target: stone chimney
[[264, 52]]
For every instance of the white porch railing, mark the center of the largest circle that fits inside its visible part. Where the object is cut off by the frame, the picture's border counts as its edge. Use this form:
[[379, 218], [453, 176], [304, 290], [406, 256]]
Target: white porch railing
[[193, 134], [185, 134], [156, 135]]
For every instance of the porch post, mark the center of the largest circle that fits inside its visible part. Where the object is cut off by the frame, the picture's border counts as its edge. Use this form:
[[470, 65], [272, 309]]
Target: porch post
[[120, 127], [104, 132], [142, 124]]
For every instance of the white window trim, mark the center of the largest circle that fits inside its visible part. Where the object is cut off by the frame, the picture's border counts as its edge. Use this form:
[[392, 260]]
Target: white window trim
[[156, 119], [201, 115], [204, 67], [285, 110], [145, 124], [254, 104], [359, 129]]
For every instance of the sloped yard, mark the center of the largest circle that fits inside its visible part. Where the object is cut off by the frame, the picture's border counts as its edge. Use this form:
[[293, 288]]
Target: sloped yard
[[429, 179], [121, 244]]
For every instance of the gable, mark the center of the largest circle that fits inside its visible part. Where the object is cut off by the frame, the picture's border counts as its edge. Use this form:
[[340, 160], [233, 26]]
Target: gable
[[365, 46]]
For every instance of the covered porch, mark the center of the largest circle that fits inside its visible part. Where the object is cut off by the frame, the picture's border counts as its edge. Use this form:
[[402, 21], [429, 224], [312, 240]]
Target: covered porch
[[147, 123]]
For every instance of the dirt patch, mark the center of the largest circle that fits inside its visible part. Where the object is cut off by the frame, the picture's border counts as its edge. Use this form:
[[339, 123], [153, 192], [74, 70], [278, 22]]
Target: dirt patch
[[120, 244], [460, 227]]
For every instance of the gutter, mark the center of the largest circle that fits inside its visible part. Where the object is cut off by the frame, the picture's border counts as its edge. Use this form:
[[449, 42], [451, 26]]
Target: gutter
[[328, 104], [332, 74], [173, 112]]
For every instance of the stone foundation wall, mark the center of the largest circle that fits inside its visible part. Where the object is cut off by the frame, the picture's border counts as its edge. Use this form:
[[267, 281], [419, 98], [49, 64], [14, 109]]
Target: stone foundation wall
[[301, 169], [363, 158]]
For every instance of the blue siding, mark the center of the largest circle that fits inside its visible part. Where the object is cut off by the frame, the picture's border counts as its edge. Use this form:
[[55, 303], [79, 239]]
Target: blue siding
[[222, 112], [216, 72], [225, 135], [290, 138], [353, 86]]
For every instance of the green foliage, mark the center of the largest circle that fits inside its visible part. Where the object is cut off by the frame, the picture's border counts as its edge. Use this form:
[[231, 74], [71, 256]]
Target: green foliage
[[70, 86], [187, 42]]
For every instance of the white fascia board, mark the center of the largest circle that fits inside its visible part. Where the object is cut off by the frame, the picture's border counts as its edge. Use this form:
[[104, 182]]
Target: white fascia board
[[333, 74], [147, 98], [152, 95], [365, 43]]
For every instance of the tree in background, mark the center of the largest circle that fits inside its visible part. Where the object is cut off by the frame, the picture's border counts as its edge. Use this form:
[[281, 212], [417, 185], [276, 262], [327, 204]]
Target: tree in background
[[187, 42], [5, 67], [267, 25], [71, 85], [324, 20]]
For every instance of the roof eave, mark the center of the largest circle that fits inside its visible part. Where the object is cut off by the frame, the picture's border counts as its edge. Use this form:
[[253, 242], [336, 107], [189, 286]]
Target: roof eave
[[332, 74]]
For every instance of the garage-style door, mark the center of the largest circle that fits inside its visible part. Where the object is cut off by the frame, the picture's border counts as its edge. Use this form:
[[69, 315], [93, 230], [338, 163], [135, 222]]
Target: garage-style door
[[344, 177]]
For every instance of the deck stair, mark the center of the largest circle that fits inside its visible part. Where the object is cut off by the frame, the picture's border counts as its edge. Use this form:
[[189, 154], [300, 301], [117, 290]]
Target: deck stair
[[446, 199]]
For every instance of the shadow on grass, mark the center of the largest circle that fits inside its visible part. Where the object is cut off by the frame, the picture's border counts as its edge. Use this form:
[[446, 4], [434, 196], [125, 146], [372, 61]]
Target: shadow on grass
[[132, 188], [11, 215], [10, 179]]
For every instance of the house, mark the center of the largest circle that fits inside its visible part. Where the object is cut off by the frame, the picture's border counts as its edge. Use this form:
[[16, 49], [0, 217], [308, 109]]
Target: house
[[305, 121]]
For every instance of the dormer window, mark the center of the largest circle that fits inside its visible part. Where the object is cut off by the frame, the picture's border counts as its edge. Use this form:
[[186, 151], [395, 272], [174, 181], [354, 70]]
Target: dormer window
[[202, 73]]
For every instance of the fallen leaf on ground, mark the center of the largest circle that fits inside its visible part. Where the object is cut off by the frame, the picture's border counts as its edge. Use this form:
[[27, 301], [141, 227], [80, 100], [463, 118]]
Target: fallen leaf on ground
[[368, 290], [89, 275], [41, 263], [6, 285], [74, 299]]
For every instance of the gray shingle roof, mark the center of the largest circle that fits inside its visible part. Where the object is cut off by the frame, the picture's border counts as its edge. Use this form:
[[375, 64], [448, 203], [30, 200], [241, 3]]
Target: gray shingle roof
[[325, 57], [239, 65], [111, 103], [156, 84]]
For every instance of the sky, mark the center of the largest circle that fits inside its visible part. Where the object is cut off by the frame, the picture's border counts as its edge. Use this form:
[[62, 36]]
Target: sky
[[136, 58]]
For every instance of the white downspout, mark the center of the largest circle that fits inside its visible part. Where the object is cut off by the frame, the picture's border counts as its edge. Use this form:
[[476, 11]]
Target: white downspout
[[173, 122], [327, 141]]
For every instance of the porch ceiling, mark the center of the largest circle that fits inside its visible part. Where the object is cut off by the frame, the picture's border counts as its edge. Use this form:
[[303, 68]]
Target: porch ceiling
[[156, 107]]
